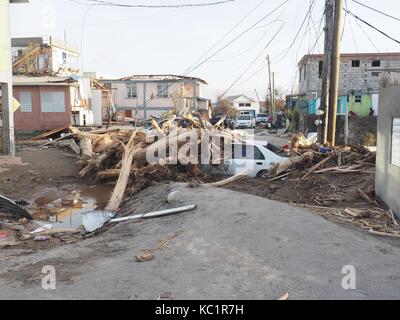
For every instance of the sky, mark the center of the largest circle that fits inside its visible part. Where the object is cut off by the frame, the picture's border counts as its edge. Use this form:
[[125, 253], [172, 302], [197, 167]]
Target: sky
[[117, 42]]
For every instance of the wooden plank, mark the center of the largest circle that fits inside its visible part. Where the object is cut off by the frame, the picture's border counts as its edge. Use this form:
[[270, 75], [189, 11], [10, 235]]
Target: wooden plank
[[49, 133]]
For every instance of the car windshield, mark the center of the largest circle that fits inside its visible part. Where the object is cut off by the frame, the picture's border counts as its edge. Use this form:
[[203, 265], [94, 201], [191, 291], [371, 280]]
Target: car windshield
[[262, 115], [244, 118]]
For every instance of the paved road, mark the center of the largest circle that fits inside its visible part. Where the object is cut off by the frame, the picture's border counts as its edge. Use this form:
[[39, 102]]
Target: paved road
[[266, 136], [234, 246]]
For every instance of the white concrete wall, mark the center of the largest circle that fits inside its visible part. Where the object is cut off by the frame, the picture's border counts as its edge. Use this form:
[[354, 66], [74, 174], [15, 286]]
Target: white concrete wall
[[96, 107], [255, 106], [57, 59], [84, 118], [387, 182], [5, 43]]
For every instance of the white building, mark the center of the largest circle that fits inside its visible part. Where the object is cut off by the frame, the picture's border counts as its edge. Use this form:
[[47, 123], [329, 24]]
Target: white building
[[244, 105], [41, 56], [143, 96]]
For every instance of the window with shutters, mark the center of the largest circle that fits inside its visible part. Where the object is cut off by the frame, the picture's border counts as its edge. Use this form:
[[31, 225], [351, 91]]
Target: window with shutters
[[25, 99], [396, 142], [131, 90], [52, 101], [162, 90]]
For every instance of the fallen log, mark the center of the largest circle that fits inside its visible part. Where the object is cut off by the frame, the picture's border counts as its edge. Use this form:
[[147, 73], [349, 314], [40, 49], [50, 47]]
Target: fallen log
[[156, 127], [86, 148], [383, 234], [236, 177], [103, 143], [299, 141], [123, 179], [317, 166], [292, 163]]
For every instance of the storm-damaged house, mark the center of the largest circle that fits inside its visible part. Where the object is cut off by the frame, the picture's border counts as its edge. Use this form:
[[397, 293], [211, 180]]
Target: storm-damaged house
[[47, 103], [143, 96], [44, 56]]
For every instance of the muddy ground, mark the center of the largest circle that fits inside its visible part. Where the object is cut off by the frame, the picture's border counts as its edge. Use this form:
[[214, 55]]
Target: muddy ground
[[43, 169], [233, 246], [49, 175]]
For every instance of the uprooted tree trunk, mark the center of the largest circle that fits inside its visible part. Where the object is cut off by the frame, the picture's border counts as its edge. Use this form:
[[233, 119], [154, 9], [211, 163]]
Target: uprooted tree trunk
[[299, 141], [119, 191], [301, 161], [86, 148]]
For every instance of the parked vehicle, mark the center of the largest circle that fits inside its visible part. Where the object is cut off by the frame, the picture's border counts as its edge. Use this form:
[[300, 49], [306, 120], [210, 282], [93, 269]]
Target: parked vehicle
[[229, 123], [255, 157], [246, 122], [262, 118]]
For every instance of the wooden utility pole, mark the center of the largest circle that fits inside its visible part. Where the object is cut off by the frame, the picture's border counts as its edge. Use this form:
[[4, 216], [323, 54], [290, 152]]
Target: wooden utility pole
[[323, 129], [271, 97], [258, 99], [335, 73]]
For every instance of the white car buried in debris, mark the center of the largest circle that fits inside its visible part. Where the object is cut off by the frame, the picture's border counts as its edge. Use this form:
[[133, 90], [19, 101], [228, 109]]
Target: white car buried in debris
[[255, 157]]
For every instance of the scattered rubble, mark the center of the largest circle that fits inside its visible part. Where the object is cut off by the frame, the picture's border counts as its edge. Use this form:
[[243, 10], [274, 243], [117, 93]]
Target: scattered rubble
[[337, 183]]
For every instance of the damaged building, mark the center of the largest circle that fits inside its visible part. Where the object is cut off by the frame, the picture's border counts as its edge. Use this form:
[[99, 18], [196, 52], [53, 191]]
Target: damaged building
[[48, 103], [143, 96], [43, 56]]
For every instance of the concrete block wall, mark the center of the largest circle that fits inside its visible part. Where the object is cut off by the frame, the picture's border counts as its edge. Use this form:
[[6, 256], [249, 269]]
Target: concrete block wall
[[355, 79]]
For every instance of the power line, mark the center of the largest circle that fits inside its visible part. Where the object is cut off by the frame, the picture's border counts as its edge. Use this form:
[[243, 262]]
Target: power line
[[318, 33], [352, 30], [143, 105], [225, 35], [123, 5], [238, 37], [371, 26], [286, 51], [376, 10], [367, 36], [252, 46], [253, 61]]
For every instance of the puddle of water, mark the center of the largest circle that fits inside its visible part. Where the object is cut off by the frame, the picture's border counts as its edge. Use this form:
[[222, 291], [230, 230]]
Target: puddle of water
[[90, 219], [81, 207]]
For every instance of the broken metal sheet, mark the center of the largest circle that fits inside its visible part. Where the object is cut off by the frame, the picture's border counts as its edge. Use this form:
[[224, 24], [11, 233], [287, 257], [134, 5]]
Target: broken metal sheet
[[10, 207], [156, 214]]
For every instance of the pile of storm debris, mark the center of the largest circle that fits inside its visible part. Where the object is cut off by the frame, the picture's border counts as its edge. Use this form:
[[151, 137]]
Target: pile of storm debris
[[337, 183], [171, 151], [131, 160]]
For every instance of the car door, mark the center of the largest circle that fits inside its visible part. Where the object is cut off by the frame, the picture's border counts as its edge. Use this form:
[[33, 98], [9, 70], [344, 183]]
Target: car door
[[246, 157]]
